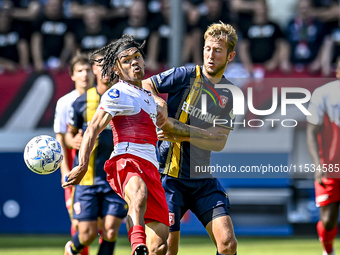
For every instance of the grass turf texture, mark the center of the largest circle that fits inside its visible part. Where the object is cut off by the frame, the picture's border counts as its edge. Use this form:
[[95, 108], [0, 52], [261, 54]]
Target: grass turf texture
[[54, 245]]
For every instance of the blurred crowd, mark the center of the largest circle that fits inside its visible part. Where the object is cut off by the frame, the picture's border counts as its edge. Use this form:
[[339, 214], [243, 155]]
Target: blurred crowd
[[278, 35]]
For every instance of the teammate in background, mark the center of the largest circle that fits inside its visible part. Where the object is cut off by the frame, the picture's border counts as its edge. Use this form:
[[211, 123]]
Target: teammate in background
[[93, 197], [132, 169], [181, 152], [323, 139], [81, 74]]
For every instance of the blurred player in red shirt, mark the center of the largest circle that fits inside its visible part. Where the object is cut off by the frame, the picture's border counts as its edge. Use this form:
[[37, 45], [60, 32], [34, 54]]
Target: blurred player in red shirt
[[323, 139]]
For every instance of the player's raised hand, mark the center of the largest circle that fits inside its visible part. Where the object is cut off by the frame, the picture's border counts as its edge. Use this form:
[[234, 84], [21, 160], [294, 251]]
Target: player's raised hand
[[75, 176]]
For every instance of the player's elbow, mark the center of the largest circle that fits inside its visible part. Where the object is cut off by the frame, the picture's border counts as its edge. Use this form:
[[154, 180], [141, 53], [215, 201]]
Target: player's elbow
[[220, 146]]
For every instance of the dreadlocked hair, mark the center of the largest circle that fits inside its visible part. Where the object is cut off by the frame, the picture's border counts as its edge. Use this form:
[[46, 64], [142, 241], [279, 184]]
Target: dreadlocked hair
[[109, 60]]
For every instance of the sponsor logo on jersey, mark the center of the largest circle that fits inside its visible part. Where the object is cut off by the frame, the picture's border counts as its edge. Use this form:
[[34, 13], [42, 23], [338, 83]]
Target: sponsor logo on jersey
[[114, 93], [168, 72], [196, 112]]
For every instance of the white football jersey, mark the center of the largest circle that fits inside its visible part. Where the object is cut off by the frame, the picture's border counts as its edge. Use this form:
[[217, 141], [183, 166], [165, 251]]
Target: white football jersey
[[62, 111], [134, 113], [325, 109]]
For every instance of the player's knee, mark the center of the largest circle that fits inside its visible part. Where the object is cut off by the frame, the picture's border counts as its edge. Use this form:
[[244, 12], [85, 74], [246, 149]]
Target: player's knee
[[228, 247], [159, 249], [88, 236], [329, 224], [111, 235]]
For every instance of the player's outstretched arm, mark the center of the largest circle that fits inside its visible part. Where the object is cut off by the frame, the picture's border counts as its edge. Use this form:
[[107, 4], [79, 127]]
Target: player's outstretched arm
[[176, 127], [209, 144], [64, 169], [99, 121]]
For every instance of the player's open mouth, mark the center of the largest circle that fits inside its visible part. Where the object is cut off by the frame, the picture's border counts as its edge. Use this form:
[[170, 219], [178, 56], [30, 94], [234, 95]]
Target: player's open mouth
[[211, 64], [137, 69]]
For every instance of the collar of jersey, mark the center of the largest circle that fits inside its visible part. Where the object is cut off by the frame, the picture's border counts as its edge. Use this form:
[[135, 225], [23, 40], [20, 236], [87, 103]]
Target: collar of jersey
[[134, 86]]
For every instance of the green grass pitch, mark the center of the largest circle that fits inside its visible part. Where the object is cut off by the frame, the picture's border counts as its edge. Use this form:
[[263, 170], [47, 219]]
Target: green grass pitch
[[54, 245]]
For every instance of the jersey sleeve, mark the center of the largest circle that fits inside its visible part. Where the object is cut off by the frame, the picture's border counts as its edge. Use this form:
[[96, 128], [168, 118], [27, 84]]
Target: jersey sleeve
[[115, 102], [316, 108], [169, 81], [60, 118]]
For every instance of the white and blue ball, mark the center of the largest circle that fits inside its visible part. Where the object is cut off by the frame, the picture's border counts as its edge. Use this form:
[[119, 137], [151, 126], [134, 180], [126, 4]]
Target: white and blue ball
[[43, 154]]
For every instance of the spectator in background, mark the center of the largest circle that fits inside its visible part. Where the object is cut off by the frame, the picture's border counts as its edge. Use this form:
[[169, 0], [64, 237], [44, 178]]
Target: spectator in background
[[242, 11], [118, 9], [216, 10], [159, 39], [92, 33], [262, 41], [331, 49], [305, 35], [137, 25], [14, 53], [23, 10], [326, 11], [52, 42], [77, 8]]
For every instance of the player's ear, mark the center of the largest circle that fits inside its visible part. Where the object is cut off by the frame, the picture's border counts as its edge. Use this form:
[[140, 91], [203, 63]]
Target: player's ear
[[115, 70], [231, 56]]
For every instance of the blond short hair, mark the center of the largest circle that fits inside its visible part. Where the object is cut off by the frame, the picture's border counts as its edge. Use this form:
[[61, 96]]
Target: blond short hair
[[223, 32]]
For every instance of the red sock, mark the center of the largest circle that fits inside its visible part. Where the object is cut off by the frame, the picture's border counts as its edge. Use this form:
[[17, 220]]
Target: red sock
[[100, 236], [326, 236], [137, 236], [85, 251]]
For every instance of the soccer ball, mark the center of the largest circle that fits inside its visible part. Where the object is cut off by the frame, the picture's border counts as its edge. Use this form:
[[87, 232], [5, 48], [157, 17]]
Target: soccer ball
[[43, 154]]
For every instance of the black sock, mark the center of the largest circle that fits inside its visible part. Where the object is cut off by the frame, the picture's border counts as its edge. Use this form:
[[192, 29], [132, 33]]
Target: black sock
[[106, 247], [77, 245], [222, 254]]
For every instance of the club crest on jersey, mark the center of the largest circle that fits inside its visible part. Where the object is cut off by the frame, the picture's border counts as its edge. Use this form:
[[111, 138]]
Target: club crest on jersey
[[171, 219], [114, 93], [224, 101]]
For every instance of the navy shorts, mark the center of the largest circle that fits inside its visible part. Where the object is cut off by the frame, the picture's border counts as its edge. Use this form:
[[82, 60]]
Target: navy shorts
[[206, 198], [91, 202]]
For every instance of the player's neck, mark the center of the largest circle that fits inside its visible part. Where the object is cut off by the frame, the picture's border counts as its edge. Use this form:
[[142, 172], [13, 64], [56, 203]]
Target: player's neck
[[136, 83], [102, 88], [81, 90], [213, 78]]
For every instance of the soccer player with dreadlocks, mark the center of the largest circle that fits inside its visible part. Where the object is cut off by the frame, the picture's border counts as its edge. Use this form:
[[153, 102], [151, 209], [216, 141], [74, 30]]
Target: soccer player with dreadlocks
[[132, 170]]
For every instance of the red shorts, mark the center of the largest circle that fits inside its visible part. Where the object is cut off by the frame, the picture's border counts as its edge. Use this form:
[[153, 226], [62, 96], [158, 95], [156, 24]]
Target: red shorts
[[328, 195], [121, 168]]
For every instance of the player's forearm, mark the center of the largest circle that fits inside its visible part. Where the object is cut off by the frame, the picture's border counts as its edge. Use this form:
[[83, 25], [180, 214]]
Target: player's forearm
[[208, 143], [86, 147], [176, 127]]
